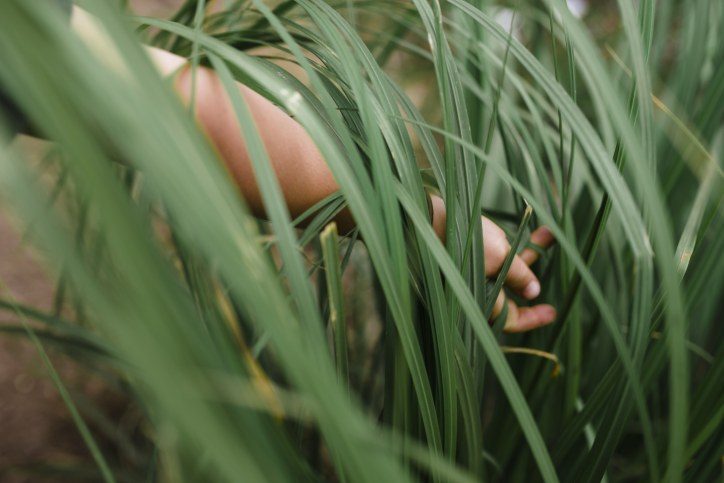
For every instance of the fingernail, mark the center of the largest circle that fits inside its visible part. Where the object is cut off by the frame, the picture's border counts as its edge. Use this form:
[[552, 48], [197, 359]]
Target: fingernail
[[532, 290]]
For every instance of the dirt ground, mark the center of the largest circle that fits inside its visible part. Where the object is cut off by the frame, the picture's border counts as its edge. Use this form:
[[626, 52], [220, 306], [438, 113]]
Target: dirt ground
[[35, 426]]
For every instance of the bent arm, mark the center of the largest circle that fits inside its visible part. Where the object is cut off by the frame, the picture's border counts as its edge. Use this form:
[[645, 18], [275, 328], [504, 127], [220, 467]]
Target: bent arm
[[302, 173], [305, 178]]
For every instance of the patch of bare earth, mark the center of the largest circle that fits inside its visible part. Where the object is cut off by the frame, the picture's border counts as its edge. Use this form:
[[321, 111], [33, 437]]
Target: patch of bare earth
[[38, 439]]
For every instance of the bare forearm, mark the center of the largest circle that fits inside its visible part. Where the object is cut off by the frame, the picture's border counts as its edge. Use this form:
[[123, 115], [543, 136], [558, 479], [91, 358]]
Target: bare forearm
[[301, 171]]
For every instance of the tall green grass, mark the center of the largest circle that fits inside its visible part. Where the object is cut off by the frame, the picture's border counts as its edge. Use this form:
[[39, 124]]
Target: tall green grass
[[259, 352]]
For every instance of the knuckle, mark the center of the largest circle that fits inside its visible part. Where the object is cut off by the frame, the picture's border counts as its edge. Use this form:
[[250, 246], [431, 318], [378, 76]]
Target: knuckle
[[522, 270], [499, 233], [500, 246]]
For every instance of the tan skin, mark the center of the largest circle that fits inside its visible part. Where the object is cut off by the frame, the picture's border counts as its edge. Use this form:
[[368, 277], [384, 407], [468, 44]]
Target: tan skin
[[305, 178]]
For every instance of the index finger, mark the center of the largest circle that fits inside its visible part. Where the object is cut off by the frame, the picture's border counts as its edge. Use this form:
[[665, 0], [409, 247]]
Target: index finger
[[541, 237]]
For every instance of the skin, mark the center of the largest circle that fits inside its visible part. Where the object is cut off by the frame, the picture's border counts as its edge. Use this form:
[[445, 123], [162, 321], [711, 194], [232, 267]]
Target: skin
[[305, 178]]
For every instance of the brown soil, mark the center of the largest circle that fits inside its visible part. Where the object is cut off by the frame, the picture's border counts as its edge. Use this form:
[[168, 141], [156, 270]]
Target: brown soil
[[36, 430]]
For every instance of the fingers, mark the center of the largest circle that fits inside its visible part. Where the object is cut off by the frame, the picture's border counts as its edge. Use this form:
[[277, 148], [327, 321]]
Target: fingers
[[498, 307], [496, 247], [523, 319], [520, 277], [541, 237]]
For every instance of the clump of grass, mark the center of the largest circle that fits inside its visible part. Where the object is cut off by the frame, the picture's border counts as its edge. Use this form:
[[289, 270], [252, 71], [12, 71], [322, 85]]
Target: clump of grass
[[264, 353]]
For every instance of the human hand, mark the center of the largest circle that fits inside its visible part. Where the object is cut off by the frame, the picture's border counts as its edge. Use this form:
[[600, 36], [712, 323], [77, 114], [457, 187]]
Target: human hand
[[520, 278]]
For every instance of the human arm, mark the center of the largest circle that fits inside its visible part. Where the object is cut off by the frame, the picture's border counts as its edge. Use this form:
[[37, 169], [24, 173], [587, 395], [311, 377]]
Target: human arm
[[305, 178]]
